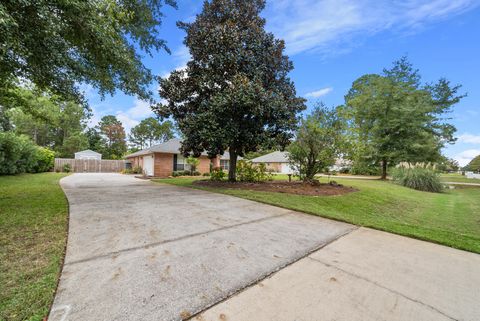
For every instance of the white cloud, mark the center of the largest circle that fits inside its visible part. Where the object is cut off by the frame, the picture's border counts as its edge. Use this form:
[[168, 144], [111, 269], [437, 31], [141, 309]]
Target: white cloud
[[132, 116], [469, 138], [334, 25], [319, 93], [129, 118], [127, 121], [141, 109], [466, 156]]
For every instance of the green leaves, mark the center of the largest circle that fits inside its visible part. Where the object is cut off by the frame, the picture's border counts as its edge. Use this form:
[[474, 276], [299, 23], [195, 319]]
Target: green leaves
[[320, 140], [396, 118], [114, 134], [235, 93], [58, 44], [149, 132]]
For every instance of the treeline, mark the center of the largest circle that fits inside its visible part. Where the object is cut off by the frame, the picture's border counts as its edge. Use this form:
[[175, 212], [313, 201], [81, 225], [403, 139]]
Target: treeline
[[37, 126], [386, 119]]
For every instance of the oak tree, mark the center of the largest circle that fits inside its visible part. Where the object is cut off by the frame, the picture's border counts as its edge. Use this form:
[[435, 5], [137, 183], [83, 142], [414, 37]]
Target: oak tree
[[57, 44]]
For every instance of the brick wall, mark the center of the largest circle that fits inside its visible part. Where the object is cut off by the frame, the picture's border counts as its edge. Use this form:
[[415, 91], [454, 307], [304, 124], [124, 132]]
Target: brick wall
[[163, 165], [204, 166]]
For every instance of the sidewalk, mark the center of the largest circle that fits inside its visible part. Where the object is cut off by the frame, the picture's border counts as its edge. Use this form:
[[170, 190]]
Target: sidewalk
[[365, 275]]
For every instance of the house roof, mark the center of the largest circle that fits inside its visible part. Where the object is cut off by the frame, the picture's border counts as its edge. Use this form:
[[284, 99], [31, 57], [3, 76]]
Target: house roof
[[88, 151], [275, 157], [171, 146]]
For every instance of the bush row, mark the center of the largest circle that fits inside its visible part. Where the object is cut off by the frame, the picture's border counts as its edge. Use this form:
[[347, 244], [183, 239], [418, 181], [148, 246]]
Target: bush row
[[18, 154], [185, 173]]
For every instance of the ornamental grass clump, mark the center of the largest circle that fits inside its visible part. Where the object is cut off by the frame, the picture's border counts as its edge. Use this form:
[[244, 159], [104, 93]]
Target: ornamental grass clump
[[419, 176]]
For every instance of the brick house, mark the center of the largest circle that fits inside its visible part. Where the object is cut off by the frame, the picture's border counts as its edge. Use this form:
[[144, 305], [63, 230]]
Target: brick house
[[163, 159]]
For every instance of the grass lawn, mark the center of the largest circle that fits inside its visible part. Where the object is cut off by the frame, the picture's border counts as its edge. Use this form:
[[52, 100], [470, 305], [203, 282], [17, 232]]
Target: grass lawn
[[33, 230], [451, 218], [458, 178]]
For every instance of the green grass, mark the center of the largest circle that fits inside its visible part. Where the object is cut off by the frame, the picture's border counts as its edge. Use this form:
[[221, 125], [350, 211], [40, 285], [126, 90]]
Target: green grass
[[458, 178], [451, 218], [33, 231]]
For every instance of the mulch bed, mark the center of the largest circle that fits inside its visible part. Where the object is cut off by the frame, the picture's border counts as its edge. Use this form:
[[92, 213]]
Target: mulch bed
[[298, 188]]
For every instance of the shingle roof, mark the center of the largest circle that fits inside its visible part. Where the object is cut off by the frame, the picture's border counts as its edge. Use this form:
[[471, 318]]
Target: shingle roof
[[88, 151], [171, 146], [275, 157]]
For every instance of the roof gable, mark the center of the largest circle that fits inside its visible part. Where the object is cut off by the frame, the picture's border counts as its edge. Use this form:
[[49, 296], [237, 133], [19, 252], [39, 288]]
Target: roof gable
[[275, 157], [88, 151]]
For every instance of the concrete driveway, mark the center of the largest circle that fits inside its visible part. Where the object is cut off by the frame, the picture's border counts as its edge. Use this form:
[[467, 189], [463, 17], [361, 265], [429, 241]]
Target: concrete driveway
[[144, 251]]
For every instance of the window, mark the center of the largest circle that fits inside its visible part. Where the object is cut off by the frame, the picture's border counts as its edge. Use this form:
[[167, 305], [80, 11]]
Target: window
[[180, 163], [225, 164]]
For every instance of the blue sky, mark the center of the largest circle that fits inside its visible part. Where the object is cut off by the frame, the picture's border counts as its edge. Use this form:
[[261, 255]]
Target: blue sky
[[333, 42]]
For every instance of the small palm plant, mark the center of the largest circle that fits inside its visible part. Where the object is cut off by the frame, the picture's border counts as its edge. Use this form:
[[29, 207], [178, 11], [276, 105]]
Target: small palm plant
[[193, 162]]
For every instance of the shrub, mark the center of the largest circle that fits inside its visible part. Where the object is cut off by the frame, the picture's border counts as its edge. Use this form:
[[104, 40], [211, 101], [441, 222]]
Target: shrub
[[418, 176], [137, 170], [44, 159], [217, 174], [17, 154], [67, 168], [206, 174], [248, 172]]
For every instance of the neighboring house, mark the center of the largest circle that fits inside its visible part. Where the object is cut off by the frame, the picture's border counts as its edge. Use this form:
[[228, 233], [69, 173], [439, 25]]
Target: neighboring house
[[276, 162], [88, 154], [163, 159], [472, 175]]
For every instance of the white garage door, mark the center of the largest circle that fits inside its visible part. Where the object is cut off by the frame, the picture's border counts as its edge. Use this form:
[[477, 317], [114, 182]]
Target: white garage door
[[148, 165], [287, 169]]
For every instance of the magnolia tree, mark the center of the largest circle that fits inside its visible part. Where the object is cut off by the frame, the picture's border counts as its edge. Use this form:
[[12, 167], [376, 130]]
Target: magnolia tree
[[319, 142], [235, 93]]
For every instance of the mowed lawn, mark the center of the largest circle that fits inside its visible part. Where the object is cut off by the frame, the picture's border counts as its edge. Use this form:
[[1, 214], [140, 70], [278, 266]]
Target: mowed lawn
[[33, 230], [451, 218], [458, 178]]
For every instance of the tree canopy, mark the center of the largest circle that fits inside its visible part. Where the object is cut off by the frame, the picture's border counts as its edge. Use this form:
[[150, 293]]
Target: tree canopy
[[114, 135], [394, 117], [318, 143], [57, 44], [474, 165], [235, 93], [150, 131], [49, 121]]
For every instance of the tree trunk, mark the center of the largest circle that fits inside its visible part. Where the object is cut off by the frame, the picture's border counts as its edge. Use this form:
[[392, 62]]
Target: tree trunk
[[384, 168], [232, 171]]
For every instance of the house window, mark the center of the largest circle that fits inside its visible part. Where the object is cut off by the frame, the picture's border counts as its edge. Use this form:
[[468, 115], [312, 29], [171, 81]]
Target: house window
[[180, 163], [225, 164]]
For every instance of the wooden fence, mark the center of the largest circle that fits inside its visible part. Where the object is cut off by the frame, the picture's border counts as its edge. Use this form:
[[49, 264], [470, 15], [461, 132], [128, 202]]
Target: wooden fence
[[89, 165]]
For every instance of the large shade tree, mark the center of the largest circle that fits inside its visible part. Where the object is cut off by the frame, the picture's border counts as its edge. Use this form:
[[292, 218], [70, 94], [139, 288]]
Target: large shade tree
[[394, 117], [57, 44], [235, 93]]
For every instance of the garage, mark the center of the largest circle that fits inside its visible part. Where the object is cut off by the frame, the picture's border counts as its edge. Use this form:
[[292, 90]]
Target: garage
[[148, 162]]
